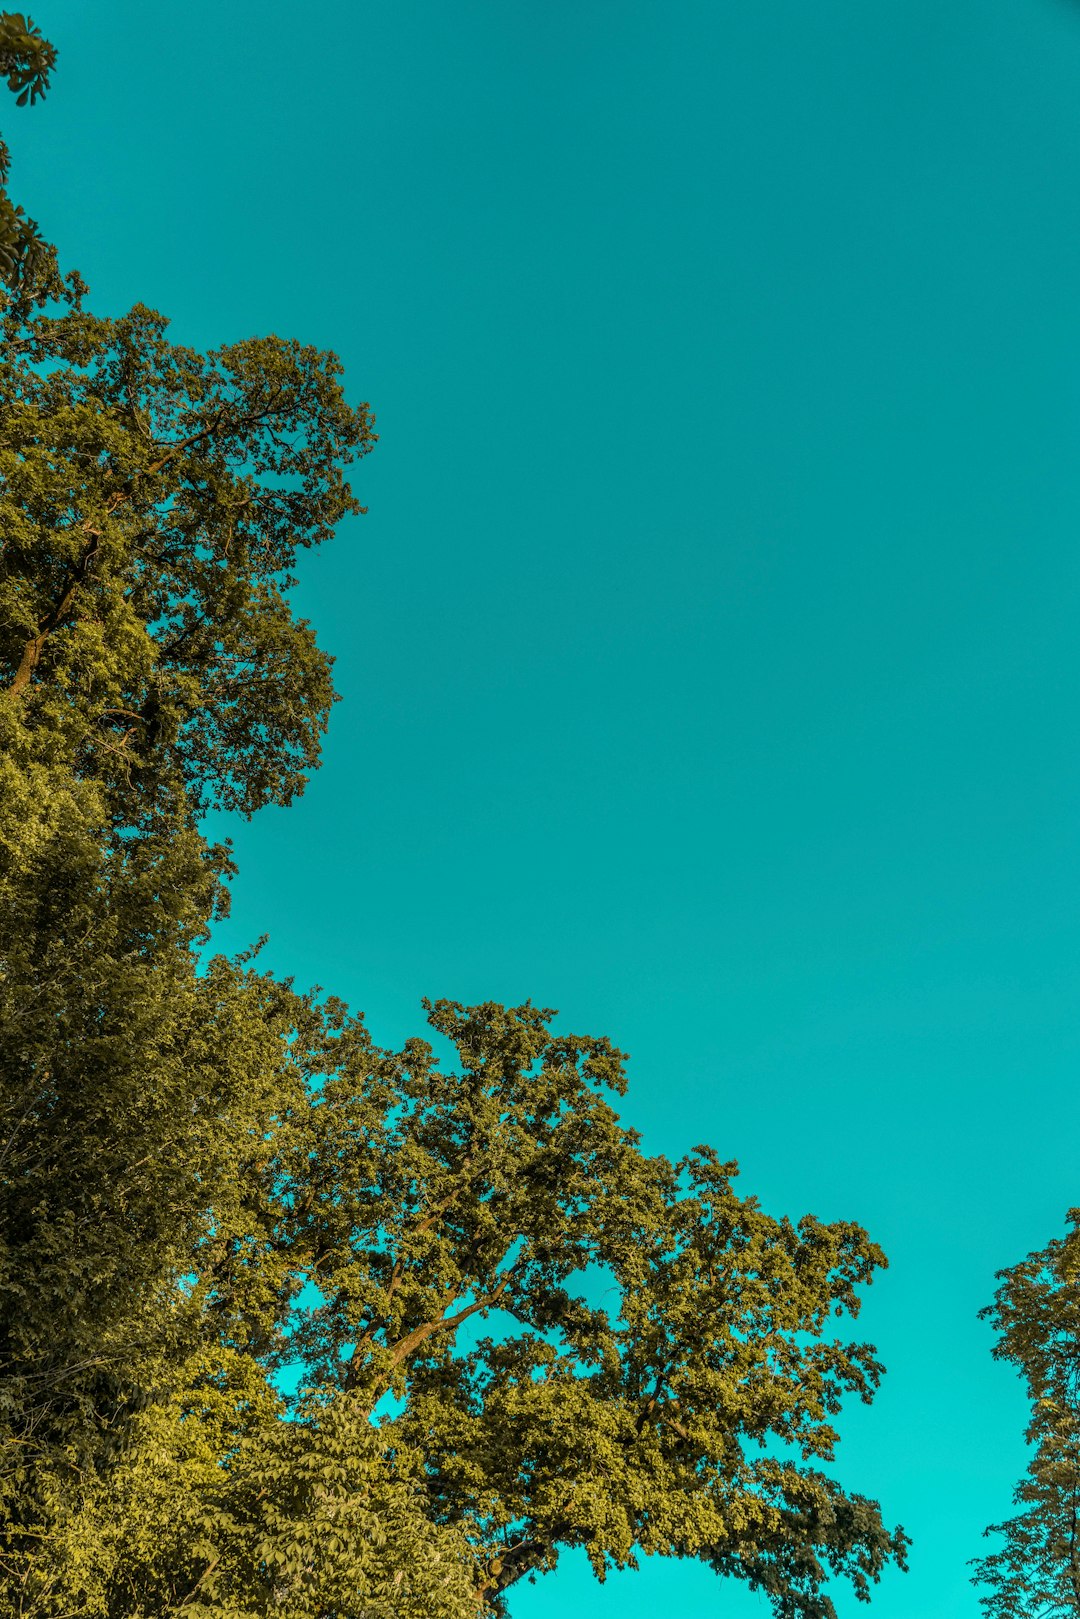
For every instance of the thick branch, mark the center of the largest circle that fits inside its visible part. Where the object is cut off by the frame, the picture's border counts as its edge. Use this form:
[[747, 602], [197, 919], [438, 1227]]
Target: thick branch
[[411, 1342], [517, 1560], [653, 1401], [56, 614], [430, 1220]]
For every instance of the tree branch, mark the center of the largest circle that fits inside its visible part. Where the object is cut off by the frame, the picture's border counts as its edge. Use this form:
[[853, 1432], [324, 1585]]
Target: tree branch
[[77, 575], [407, 1346], [517, 1560]]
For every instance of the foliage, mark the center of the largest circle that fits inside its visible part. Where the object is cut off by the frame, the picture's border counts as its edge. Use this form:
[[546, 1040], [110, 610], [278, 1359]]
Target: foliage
[[307, 1518], [26, 60], [1036, 1313], [380, 1207], [153, 501], [510, 1331], [685, 1417]]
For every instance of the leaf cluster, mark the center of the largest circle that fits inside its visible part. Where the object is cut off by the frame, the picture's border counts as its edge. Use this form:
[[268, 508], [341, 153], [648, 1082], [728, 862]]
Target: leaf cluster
[[26, 61], [306, 1518], [1035, 1569], [154, 501]]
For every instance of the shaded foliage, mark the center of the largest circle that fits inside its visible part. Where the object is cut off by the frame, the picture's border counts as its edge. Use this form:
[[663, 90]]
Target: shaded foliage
[[307, 1518], [26, 61], [152, 501]]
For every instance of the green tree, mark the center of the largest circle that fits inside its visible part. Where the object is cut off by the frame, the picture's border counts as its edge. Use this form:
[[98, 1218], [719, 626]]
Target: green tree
[[189, 1154], [308, 1517], [456, 1226], [687, 1411], [510, 1330], [26, 60], [1035, 1570], [152, 502]]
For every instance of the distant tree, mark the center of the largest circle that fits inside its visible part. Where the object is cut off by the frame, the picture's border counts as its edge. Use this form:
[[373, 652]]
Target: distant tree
[[1035, 1572], [26, 60]]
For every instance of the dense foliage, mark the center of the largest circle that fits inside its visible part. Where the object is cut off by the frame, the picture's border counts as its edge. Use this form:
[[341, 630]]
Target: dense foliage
[[1035, 1569], [290, 1323]]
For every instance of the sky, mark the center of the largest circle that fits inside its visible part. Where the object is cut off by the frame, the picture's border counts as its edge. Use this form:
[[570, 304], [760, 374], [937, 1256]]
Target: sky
[[709, 654]]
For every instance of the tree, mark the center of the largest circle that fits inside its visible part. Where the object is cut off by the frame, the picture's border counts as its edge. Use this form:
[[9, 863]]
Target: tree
[[152, 501], [1036, 1312], [209, 1179], [307, 1518], [26, 61], [389, 1204], [190, 1153], [684, 1414]]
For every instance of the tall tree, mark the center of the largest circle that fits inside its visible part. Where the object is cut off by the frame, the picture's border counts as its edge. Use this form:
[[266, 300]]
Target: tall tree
[[1035, 1571], [590, 1346], [189, 1154], [564, 1343], [152, 501]]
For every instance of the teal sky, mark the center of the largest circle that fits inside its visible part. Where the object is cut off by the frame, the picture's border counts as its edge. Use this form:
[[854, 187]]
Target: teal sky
[[710, 655]]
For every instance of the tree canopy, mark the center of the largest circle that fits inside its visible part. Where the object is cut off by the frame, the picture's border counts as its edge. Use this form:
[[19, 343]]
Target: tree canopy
[[290, 1322], [154, 501], [1035, 1569]]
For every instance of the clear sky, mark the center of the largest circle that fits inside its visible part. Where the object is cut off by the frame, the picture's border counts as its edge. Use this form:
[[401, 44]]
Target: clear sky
[[710, 655]]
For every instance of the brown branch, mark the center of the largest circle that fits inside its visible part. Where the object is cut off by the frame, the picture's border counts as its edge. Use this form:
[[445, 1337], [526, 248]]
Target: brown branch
[[203, 1577], [517, 1560], [249, 420], [127, 714], [674, 1423], [173, 451], [439, 1208], [661, 1410], [381, 1320], [447, 1323], [33, 648], [411, 1342], [430, 1220], [653, 1400]]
